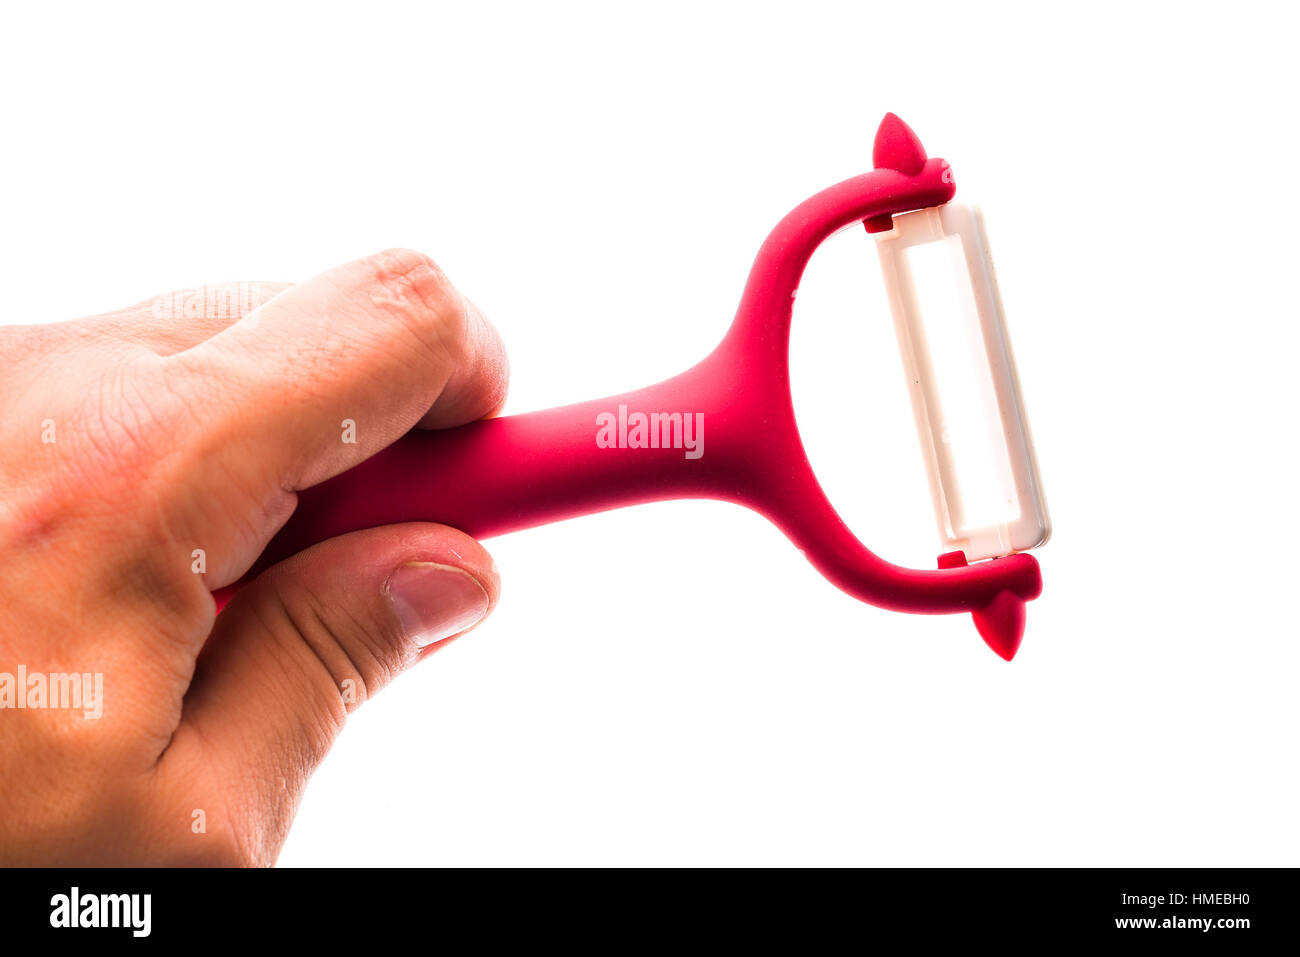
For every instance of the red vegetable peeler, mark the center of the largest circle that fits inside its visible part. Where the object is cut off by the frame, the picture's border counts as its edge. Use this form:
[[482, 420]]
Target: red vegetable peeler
[[504, 474]]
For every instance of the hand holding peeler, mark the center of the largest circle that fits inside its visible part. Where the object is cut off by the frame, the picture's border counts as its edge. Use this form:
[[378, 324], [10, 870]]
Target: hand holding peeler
[[725, 428]]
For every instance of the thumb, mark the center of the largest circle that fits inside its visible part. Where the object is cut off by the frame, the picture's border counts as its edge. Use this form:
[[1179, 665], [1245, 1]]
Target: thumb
[[305, 644]]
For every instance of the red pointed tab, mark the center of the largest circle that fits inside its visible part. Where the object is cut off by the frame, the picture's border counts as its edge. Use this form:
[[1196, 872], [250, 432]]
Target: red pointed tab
[[897, 147], [1002, 623]]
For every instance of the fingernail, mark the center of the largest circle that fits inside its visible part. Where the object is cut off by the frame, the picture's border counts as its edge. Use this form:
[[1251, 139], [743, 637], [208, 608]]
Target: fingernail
[[435, 601]]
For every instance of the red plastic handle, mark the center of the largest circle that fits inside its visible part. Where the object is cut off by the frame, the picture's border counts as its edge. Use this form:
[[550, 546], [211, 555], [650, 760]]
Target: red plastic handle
[[502, 475]]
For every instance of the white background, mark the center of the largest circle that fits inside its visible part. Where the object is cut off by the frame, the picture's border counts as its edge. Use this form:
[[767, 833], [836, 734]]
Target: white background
[[674, 684]]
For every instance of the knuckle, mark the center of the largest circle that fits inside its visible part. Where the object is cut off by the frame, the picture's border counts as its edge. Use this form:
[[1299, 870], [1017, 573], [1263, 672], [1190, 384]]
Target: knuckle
[[413, 287], [399, 261], [410, 277]]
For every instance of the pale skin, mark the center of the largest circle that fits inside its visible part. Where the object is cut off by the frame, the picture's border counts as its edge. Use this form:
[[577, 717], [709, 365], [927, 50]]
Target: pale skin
[[130, 440]]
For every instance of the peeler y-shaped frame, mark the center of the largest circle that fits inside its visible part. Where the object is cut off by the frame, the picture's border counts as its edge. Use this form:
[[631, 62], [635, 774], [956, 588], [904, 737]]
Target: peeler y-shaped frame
[[504, 474]]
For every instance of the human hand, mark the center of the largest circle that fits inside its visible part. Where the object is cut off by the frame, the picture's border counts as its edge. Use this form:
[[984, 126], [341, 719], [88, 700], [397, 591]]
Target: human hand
[[146, 460]]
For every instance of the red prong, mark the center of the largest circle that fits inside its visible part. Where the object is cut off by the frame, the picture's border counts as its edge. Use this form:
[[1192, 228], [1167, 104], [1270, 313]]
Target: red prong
[[1002, 623], [897, 147]]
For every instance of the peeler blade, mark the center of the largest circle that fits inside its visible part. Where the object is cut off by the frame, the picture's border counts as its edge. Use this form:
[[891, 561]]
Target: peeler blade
[[962, 380]]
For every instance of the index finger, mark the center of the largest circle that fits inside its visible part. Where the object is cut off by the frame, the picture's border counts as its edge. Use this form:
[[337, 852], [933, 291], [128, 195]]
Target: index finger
[[326, 374]]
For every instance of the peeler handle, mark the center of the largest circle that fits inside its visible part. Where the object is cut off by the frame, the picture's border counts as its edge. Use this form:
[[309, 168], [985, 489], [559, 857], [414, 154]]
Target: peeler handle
[[503, 474]]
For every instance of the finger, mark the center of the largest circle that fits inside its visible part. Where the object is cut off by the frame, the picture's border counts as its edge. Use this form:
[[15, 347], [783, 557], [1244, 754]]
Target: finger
[[322, 377], [308, 642], [174, 321], [382, 342], [476, 389]]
